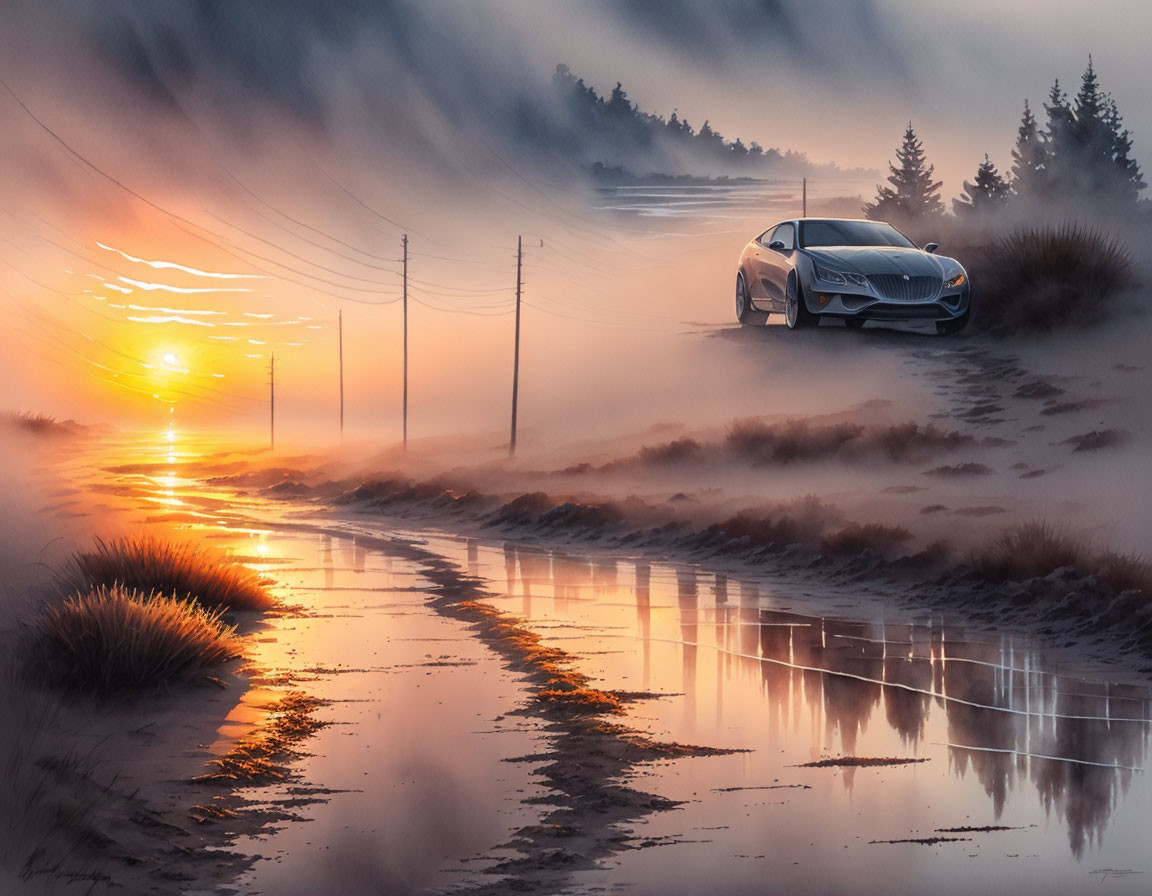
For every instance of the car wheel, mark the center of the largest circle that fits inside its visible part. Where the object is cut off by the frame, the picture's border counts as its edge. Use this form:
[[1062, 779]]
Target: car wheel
[[955, 325], [745, 313], [795, 314], [854, 323]]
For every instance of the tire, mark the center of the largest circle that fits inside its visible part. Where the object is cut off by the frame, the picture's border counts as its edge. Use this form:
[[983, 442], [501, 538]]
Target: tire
[[854, 323], [745, 313], [796, 315], [955, 325]]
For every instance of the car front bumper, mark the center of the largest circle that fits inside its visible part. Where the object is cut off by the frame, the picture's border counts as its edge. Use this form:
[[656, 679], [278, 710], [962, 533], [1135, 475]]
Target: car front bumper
[[948, 305]]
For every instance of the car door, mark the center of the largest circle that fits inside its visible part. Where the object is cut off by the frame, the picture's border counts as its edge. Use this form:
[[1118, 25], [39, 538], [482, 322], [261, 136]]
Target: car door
[[773, 265], [754, 264]]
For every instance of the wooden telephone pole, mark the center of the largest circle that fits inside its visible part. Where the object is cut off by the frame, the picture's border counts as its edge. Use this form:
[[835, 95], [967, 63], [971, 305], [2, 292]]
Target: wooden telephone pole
[[405, 342], [340, 342], [516, 354], [804, 200]]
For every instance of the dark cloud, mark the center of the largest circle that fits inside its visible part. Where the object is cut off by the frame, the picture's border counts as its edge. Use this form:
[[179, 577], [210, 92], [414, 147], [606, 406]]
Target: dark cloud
[[804, 33]]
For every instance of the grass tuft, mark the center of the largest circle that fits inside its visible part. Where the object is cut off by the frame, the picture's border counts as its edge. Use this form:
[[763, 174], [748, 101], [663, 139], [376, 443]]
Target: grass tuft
[[1035, 550], [118, 639], [148, 564], [795, 440], [855, 539], [1117, 573], [1029, 551], [678, 451], [1050, 277], [37, 424], [792, 441]]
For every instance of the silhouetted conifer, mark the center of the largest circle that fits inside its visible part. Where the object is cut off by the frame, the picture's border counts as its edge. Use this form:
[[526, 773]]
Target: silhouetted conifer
[[913, 194], [987, 194], [1029, 157], [1087, 147]]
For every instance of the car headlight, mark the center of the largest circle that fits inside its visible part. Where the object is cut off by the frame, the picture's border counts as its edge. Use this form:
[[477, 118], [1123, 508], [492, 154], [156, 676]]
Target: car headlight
[[957, 280], [841, 279], [830, 276]]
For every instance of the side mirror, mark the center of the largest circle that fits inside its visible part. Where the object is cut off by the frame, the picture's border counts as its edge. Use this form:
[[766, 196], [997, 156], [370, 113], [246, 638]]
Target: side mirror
[[930, 248], [777, 245]]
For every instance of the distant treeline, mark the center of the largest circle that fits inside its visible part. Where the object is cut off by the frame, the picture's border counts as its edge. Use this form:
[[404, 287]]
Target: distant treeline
[[614, 138], [1080, 159]]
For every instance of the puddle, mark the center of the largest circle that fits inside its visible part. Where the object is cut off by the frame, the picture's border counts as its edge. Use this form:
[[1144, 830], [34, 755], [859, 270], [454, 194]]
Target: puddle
[[1025, 773], [1052, 759]]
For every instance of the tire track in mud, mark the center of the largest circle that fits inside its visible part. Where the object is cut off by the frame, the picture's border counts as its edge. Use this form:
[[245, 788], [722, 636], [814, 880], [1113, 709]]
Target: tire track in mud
[[976, 382]]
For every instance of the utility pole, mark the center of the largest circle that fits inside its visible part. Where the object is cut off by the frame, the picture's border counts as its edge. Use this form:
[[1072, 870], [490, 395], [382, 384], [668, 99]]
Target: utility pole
[[804, 200], [516, 355], [272, 403], [340, 342], [405, 342]]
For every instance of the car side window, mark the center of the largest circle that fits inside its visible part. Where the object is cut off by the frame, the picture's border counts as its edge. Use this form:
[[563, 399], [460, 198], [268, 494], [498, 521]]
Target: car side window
[[786, 233]]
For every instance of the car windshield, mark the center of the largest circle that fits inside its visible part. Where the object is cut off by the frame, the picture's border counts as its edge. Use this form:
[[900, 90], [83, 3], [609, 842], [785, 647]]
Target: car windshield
[[851, 233]]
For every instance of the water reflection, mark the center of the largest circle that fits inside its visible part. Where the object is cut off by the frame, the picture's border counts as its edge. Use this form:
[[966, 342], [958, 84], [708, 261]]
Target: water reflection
[[1004, 717]]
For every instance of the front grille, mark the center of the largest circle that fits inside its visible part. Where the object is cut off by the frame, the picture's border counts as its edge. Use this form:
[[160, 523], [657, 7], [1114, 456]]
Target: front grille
[[904, 289]]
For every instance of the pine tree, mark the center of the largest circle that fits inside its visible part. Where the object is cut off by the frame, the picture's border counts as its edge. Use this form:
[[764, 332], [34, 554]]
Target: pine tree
[[1128, 180], [1087, 145], [1058, 140], [1029, 157], [913, 195], [987, 194], [618, 103]]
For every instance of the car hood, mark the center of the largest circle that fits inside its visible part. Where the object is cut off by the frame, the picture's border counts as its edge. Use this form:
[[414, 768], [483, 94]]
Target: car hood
[[881, 260]]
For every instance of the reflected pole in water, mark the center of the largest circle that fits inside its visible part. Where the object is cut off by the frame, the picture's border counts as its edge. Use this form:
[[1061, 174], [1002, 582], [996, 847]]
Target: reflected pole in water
[[644, 615], [272, 403], [687, 595]]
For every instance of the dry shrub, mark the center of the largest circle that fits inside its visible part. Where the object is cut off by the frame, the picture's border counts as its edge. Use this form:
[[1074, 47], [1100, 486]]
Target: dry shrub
[[855, 539], [1035, 550], [116, 639], [794, 440], [37, 424], [1050, 277], [801, 521], [524, 509], [574, 515], [678, 451], [911, 442], [1030, 551], [778, 532], [148, 564], [1117, 573]]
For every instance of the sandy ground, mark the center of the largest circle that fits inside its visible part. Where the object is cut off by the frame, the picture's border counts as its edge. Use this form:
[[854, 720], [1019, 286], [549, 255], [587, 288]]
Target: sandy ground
[[1053, 430]]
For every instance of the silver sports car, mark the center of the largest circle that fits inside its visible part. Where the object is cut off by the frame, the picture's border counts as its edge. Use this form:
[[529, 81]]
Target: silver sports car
[[810, 268]]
